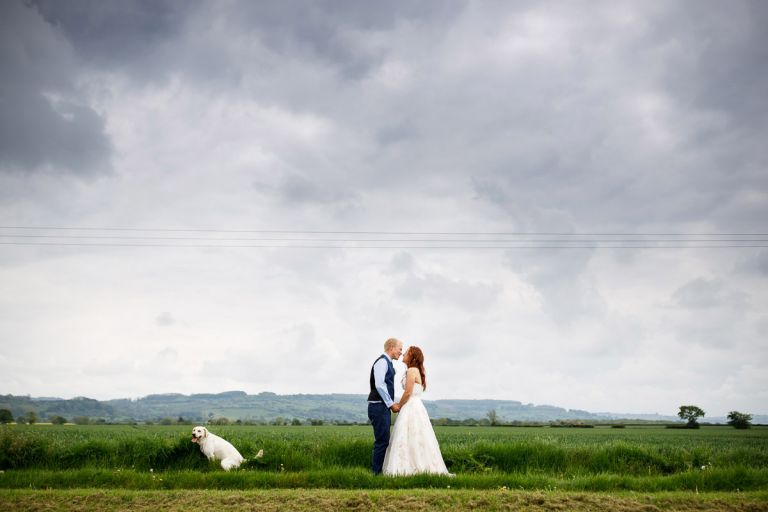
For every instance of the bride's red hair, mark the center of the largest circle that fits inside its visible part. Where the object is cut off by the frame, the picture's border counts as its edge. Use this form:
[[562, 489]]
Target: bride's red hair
[[416, 360]]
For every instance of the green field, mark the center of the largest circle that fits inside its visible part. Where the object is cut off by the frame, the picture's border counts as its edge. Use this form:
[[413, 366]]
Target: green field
[[507, 463]]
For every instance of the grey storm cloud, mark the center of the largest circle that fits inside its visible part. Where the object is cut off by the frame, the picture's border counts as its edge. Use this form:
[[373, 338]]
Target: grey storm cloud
[[44, 120], [724, 73], [296, 189], [563, 281], [116, 34], [440, 289], [317, 30], [633, 122], [593, 142], [708, 293], [135, 34], [754, 264]]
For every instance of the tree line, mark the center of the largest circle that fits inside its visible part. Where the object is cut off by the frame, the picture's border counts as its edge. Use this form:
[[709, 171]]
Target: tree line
[[688, 413], [692, 413]]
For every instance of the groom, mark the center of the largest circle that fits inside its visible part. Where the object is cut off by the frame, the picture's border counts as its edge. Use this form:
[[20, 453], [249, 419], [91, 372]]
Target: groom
[[381, 400]]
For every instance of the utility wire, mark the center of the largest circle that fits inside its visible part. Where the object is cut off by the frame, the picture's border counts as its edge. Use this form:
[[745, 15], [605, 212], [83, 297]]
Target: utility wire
[[307, 232], [262, 239], [273, 246], [295, 239]]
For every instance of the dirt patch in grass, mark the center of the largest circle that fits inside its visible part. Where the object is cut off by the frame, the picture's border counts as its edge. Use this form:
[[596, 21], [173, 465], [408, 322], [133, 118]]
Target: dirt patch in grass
[[385, 501]]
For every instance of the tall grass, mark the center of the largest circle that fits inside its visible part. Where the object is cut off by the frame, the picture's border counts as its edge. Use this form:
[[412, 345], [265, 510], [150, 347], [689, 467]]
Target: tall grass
[[344, 478], [575, 459]]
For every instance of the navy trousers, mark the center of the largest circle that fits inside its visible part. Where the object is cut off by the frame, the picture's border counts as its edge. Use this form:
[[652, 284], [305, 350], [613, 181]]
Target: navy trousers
[[381, 419]]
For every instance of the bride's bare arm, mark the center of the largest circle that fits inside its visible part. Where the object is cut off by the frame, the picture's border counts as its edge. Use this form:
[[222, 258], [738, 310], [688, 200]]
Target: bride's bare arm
[[410, 378]]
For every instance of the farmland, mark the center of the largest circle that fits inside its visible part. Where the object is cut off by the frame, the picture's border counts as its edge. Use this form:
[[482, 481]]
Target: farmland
[[331, 462]]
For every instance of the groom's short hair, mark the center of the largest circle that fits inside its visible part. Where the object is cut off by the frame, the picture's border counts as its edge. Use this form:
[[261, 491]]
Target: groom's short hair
[[391, 343]]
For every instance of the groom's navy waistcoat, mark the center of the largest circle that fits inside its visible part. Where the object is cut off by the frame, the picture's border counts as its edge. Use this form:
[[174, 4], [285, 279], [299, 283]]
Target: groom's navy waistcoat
[[389, 381]]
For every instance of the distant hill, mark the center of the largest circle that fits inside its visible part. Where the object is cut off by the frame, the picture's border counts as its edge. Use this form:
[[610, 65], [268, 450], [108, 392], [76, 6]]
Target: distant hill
[[266, 406]]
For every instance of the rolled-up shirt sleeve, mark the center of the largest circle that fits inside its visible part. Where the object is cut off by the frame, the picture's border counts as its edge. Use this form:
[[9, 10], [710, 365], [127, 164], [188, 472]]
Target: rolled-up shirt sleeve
[[379, 373]]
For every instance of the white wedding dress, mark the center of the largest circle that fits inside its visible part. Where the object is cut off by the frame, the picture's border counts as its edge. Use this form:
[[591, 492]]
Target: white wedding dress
[[413, 446]]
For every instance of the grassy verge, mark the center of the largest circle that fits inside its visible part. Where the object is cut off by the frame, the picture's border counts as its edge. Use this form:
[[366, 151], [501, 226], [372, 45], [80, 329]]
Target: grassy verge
[[399, 501], [641, 452], [729, 480]]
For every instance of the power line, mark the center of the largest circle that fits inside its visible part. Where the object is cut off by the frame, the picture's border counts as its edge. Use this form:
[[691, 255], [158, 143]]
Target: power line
[[273, 246], [446, 240], [70, 236], [313, 232]]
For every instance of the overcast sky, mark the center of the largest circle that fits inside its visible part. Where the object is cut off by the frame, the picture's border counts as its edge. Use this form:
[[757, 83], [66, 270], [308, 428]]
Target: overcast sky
[[395, 122]]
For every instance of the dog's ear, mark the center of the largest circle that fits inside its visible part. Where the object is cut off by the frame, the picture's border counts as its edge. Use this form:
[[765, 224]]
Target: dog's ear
[[205, 432]]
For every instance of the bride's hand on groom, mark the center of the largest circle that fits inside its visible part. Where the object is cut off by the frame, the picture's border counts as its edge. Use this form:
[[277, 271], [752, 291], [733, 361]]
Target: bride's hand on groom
[[395, 407]]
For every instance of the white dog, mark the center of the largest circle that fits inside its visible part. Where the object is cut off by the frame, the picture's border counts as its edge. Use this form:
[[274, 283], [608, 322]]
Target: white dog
[[215, 447]]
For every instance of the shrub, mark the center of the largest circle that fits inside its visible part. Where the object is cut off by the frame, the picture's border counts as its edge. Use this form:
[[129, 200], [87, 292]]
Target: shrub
[[6, 416], [739, 419]]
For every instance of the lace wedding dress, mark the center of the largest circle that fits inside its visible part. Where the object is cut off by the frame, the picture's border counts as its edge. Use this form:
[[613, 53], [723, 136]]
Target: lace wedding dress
[[413, 446]]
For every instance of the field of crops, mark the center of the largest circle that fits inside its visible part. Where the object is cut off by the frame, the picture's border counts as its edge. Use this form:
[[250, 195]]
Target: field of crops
[[335, 458]]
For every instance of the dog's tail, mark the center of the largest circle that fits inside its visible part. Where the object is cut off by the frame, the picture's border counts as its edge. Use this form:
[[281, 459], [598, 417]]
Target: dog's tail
[[257, 456]]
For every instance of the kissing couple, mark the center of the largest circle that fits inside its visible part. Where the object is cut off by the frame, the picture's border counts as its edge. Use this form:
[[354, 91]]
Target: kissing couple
[[412, 447]]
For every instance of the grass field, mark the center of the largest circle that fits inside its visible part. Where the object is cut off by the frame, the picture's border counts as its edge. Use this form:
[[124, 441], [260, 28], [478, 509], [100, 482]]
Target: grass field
[[573, 469]]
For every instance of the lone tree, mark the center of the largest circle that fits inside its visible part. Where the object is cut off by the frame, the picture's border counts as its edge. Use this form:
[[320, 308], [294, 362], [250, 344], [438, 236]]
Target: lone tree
[[691, 413], [493, 418], [58, 420], [6, 416], [739, 419]]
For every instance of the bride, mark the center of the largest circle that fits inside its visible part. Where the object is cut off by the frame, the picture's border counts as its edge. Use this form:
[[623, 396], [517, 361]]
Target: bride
[[413, 447]]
